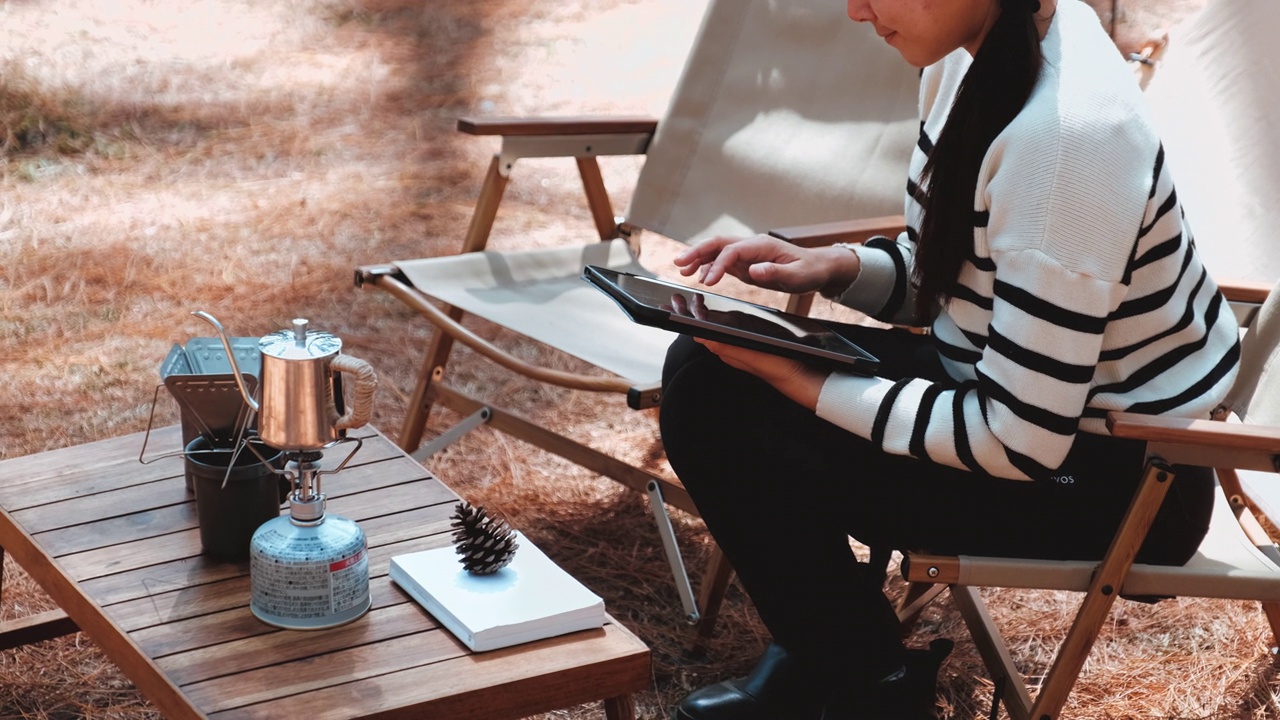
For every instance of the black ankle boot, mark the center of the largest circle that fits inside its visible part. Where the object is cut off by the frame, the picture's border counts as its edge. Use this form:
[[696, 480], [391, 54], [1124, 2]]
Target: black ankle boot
[[912, 696], [773, 691]]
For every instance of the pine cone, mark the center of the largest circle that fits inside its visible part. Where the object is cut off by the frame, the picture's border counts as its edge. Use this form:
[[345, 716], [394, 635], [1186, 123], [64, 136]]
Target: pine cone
[[486, 543]]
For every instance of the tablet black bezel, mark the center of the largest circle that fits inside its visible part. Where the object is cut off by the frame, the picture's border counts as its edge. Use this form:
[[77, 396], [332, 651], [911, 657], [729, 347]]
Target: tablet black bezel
[[849, 357]]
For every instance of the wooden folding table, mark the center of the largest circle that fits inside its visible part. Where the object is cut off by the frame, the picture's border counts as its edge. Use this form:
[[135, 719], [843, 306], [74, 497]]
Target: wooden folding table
[[116, 544]]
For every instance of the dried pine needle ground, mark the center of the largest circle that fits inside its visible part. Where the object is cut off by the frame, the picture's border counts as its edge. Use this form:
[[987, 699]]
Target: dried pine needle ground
[[242, 157]]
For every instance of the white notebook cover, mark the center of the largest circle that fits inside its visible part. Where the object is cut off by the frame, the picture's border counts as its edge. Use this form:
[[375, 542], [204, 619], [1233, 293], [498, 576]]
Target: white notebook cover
[[530, 599]]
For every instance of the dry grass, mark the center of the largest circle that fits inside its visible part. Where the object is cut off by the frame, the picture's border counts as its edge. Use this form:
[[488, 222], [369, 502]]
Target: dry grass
[[242, 157]]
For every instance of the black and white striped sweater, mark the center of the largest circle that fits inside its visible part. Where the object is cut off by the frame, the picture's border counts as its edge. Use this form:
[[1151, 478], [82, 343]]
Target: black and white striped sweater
[[1084, 293]]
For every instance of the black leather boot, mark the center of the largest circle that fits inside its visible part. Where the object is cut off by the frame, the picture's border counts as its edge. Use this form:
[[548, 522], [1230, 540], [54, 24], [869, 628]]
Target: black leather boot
[[774, 690], [913, 696]]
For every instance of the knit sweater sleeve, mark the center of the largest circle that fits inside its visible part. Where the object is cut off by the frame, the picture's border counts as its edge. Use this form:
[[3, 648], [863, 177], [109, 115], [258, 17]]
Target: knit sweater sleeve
[[1060, 199]]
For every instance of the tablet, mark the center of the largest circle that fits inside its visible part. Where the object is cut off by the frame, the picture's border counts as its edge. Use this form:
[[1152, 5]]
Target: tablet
[[681, 309]]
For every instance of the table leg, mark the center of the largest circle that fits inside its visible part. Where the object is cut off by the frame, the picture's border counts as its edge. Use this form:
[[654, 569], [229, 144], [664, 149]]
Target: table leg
[[620, 708]]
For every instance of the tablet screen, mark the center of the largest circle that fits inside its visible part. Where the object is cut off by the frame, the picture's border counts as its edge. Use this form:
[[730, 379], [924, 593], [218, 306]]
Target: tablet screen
[[697, 309]]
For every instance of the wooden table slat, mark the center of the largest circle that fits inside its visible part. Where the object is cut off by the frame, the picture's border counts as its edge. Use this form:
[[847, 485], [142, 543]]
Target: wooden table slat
[[113, 503], [81, 460], [88, 616], [382, 623], [222, 596], [87, 483], [65, 541], [318, 672], [117, 466], [129, 498], [535, 677]]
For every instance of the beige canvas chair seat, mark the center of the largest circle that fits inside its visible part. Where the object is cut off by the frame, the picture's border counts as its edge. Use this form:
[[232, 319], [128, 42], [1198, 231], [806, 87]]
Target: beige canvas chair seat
[[1228, 565], [541, 292]]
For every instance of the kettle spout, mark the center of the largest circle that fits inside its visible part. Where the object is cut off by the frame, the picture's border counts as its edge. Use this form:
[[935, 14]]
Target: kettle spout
[[231, 356]]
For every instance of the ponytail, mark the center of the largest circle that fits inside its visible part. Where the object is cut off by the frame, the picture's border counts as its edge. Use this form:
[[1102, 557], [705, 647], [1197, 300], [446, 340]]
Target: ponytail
[[993, 92]]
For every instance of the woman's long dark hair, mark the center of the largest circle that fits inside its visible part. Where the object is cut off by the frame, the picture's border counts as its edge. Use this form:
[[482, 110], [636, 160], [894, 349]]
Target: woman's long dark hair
[[993, 91]]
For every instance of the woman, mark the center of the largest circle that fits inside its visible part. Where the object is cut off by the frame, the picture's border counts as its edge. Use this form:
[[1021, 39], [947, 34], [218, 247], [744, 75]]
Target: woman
[[1047, 252]]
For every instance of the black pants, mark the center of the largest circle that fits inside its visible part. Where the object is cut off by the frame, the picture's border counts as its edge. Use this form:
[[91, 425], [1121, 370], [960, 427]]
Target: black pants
[[781, 491]]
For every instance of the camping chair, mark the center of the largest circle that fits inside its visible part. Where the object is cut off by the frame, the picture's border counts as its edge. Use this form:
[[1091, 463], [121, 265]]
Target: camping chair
[[1215, 55], [786, 113], [1237, 560]]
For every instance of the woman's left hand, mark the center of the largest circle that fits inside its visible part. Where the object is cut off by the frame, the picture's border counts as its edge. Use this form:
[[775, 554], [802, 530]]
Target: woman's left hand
[[798, 381]]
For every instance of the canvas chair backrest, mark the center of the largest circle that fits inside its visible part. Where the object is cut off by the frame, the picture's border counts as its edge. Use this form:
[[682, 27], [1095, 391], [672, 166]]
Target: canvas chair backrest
[[1215, 94], [1255, 397], [787, 113]]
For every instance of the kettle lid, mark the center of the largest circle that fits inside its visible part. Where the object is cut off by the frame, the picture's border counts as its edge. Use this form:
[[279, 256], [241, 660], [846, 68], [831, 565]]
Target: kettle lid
[[299, 343]]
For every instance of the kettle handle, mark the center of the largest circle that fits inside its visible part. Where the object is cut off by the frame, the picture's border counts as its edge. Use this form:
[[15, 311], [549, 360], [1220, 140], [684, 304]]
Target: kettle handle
[[366, 382]]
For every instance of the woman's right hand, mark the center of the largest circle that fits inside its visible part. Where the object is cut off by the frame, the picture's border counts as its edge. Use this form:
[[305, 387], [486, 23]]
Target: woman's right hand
[[769, 262]]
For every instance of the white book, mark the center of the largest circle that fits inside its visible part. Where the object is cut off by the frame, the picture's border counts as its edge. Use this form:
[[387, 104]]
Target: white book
[[530, 599]]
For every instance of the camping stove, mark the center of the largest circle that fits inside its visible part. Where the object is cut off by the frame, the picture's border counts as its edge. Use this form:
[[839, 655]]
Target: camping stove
[[308, 569]]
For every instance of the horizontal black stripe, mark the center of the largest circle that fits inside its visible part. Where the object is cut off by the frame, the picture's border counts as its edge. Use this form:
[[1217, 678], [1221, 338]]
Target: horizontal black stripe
[[1159, 252], [981, 218], [1038, 416], [1095, 413], [1224, 367], [883, 412], [963, 356], [915, 192], [976, 339], [923, 414], [1165, 207], [985, 264], [963, 451], [1038, 362], [1155, 176], [969, 295], [1155, 300], [1028, 466], [1183, 322], [898, 295], [1162, 364], [1047, 311], [924, 142]]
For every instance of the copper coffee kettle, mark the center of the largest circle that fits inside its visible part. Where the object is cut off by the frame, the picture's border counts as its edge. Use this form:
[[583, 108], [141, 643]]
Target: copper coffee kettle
[[301, 405]]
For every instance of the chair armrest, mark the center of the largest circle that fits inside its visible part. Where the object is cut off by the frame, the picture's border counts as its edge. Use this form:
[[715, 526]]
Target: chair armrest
[[1244, 291], [566, 125], [1155, 428], [848, 231], [1208, 443]]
